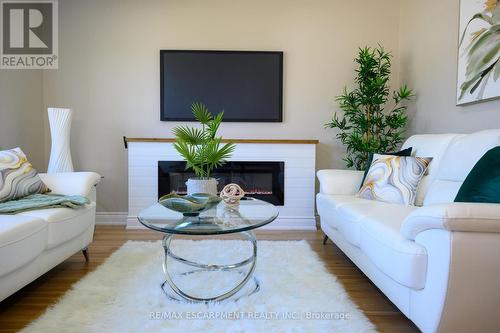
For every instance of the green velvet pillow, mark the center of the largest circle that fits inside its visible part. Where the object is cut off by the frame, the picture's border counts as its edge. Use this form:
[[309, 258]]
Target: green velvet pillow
[[404, 152], [483, 182]]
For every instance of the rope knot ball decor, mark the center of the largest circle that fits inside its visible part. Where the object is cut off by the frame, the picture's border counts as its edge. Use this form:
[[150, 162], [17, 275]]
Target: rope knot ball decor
[[231, 194]]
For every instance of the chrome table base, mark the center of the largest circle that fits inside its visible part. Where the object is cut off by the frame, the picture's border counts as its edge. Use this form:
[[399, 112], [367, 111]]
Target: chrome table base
[[252, 260]]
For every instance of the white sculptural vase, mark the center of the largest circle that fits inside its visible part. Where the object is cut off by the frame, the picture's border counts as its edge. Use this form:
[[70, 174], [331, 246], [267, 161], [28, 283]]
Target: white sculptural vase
[[60, 152]]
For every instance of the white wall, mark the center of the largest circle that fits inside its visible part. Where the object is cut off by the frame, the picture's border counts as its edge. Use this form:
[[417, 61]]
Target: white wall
[[428, 63], [21, 119], [109, 72], [109, 68]]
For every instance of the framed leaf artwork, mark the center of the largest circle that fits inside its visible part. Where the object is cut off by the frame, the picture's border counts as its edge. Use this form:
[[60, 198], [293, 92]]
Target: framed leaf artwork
[[478, 74]]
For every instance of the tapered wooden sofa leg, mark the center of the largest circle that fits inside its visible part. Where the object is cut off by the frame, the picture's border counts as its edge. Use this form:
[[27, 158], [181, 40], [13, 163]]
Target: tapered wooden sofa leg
[[325, 239], [85, 253]]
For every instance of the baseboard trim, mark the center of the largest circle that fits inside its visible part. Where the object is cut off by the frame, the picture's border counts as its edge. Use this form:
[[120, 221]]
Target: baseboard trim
[[111, 218]]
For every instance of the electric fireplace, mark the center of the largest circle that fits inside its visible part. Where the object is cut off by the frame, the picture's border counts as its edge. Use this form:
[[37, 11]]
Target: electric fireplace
[[260, 180]]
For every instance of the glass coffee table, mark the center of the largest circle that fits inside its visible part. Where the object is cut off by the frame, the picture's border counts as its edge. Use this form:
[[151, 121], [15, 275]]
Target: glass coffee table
[[248, 215]]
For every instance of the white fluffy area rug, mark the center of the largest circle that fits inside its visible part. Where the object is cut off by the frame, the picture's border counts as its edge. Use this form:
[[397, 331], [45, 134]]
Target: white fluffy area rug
[[296, 293]]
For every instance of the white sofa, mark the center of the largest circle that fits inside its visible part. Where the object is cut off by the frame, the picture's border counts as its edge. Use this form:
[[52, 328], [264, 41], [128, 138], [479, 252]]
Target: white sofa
[[33, 242], [438, 262]]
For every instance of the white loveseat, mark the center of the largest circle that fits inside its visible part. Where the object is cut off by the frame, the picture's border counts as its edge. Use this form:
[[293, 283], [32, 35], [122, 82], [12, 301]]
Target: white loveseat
[[438, 262], [33, 242]]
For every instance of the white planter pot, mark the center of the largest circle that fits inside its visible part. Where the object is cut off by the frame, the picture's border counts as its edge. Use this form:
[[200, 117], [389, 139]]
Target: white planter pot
[[196, 185], [60, 153]]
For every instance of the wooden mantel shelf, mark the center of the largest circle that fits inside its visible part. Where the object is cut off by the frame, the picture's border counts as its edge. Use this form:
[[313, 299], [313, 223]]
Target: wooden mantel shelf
[[264, 141]]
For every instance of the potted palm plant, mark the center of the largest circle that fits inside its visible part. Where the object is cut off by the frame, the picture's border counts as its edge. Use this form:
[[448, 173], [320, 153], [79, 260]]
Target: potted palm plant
[[202, 150]]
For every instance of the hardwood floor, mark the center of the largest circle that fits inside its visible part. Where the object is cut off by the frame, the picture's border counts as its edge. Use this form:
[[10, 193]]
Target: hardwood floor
[[30, 302]]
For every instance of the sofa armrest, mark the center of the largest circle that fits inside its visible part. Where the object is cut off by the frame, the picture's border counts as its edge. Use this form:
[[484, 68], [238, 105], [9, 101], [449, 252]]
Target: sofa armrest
[[341, 182], [71, 183], [456, 216]]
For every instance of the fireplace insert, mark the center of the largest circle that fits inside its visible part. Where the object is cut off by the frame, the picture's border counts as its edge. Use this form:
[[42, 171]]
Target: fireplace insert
[[260, 180]]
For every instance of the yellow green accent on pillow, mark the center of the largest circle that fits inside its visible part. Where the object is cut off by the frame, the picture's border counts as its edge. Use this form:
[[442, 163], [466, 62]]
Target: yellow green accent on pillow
[[394, 179], [18, 178]]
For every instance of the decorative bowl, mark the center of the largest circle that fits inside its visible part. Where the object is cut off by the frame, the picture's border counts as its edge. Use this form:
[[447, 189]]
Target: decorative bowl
[[189, 205]]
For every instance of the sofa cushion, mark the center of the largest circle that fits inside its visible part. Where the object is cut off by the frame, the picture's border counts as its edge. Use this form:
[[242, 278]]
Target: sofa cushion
[[64, 223], [328, 202], [346, 213], [458, 160], [401, 259], [328, 206], [374, 226], [464, 152], [442, 191], [352, 216], [22, 239], [429, 145]]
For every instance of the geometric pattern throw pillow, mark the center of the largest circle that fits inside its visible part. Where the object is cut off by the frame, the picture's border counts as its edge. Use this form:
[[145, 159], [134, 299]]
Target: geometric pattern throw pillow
[[394, 179], [18, 178]]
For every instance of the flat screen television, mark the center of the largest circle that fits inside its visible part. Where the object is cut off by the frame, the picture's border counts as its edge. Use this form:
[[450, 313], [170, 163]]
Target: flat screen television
[[246, 85]]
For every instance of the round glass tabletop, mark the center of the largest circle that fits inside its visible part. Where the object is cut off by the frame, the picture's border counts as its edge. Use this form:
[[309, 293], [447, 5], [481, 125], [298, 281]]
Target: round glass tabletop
[[249, 214]]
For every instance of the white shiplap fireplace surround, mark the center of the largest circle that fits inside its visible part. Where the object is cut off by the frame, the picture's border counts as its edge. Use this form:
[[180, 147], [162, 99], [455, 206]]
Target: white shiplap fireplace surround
[[299, 157]]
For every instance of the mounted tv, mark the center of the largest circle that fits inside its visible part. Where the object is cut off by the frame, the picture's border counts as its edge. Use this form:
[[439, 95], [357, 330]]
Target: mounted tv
[[246, 85]]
